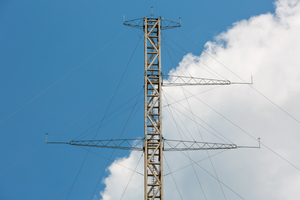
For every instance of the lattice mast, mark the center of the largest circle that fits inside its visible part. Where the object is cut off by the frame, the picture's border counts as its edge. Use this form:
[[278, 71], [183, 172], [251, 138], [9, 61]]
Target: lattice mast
[[153, 144], [153, 162]]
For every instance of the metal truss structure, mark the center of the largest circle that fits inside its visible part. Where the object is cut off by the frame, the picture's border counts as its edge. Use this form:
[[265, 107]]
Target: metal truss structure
[[171, 80], [153, 140], [184, 81], [138, 144], [153, 147], [153, 144]]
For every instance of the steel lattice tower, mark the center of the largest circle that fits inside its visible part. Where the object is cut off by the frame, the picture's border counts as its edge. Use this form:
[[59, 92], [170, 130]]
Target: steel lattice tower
[[154, 144], [153, 156]]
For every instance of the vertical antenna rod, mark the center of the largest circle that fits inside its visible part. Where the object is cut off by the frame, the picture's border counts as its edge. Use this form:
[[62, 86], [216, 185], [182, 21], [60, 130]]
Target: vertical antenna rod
[[152, 12]]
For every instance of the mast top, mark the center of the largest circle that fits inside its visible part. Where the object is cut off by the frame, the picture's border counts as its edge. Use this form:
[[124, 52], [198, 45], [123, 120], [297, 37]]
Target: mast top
[[140, 22]]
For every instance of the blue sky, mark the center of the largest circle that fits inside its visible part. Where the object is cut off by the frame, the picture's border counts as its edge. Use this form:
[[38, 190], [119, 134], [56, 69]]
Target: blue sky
[[42, 41]]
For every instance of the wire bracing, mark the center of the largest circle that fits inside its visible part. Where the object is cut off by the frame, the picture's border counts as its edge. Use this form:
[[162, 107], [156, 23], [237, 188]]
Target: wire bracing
[[64, 76], [179, 130], [197, 62], [223, 65], [255, 89]]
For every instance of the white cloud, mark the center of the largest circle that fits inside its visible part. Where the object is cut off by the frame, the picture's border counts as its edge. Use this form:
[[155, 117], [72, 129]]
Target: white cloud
[[268, 46], [122, 179]]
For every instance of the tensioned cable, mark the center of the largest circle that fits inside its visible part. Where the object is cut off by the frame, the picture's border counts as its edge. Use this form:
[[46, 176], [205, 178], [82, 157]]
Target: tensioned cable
[[109, 159], [215, 178], [130, 117], [179, 169], [119, 84], [64, 76], [200, 124], [203, 122], [69, 125], [172, 60], [128, 120], [106, 165], [173, 178], [113, 160], [178, 128], [192, 138], [189, 157], [205, 150], [257, 92], [197, 63], [83, 164], [188, 52], [96, 106], [108, 116], [209, 157], [187, 101], [202, 140], [131, 176], [52, 86], [199, 93], [171, 114], [107, 111], [22, 159], [77, 175], [79, 180], [193, 114], [182, 123], [249, 134], [244, 81], [103, 120], [140, 101], [177, 101]]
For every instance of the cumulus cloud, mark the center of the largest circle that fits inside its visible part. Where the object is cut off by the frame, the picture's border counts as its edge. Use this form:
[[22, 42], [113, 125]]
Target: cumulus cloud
[[123, 182], [268, 46]]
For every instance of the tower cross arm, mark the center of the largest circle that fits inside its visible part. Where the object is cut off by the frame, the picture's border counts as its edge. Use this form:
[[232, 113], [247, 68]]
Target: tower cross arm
[[168, 24], [171, 80], [125, 144], [135, 23], [168, 145], [182, 145]]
